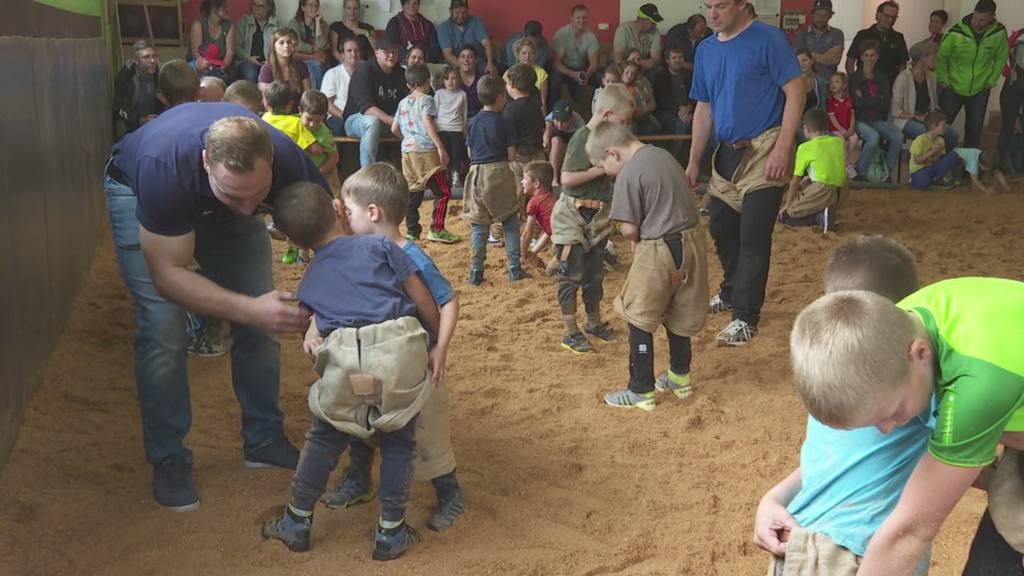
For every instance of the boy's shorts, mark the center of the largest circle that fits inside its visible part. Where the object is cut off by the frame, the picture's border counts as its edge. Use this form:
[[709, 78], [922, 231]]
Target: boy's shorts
[[657, 293], [434, 454], [749, 175], [1006, 498], [490, 193], [419, 167], [815, 554], [373, 378], [813, 199]]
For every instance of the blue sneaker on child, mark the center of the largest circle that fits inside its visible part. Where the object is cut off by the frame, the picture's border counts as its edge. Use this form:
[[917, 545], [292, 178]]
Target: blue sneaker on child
[[292, 531], [390, 543]]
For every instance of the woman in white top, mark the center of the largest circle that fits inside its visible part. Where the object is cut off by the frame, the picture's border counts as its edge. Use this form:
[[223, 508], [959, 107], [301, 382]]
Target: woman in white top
[[335, 85], [914, 95]]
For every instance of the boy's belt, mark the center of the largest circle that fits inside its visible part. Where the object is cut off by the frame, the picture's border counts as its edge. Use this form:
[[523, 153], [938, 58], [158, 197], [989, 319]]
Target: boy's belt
[[738, 145], [587, 203]]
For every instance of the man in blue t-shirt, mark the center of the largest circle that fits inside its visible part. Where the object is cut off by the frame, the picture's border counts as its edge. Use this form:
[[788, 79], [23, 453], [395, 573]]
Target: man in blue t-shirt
[[187, 186], [750, 73], [463, 29]]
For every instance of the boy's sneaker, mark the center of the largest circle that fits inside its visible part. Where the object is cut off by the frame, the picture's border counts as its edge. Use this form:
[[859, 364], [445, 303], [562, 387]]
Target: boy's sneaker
[[443, 236], [494, 241], [290, 256], [450, 506], [412, 237], [294, 532], [718, 305], [355, 488], [611, 254], [456, 180], [577, 343], [603, 331], [829, 217], [274, 232], [172, 483], [476, 277], [390, 543], [516, 273], [736, 333], [851, 171], [278, 453], [629, 399], [672, 382], [206, 346]]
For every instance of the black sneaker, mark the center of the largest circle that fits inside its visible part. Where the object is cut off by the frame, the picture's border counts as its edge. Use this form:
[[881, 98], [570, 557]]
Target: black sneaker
[[390, 543], [603, 331], [516, 273], [450, 505], [476, 277], [293, 532], [354, 488], [577, 343], [172, 483], [278, 453]]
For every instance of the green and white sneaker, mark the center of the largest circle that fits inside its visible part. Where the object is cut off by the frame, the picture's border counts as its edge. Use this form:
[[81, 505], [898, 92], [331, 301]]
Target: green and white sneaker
[[629, 399], [678, 385], [443, 236]]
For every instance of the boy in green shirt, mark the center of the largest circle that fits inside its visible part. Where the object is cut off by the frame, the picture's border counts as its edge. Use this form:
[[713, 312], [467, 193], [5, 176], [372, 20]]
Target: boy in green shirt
[[929, 162], [312, 112], [859, 360], [819, 178]]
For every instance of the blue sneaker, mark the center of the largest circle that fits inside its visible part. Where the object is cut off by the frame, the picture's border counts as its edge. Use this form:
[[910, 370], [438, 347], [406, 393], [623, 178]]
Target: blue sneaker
[[355, 488], [390, 543], [172, 483], [278, 453], [293, 532]]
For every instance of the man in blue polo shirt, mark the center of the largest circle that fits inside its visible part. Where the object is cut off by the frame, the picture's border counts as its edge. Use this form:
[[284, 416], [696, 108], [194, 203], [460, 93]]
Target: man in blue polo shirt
[[463, 29], [187, 186], [751, 74]]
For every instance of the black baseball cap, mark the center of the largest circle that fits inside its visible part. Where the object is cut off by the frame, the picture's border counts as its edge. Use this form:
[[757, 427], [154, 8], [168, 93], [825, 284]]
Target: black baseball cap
[[649, 12], [385, 43]]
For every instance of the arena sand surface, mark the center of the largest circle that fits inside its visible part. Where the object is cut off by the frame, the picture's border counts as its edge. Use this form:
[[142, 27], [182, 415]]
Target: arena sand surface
[[556, 482]]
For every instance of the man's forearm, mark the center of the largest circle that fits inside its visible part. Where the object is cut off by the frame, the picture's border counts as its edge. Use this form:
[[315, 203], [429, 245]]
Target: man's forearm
[[379, 115], [701, 131], [196, 293]]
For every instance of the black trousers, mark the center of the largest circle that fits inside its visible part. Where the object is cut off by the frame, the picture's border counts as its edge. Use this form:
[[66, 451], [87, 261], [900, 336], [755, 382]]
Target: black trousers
[[1011, 104], [743, 241], [990, 554], [975, 107]]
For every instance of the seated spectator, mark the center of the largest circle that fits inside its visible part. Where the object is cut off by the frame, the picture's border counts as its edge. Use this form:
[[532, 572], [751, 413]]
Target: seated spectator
[[559, 126], [914, 95], [825, 43], [409, 28], [245, 93], [937, 26], [639, 88], [463, 29], [312, 113], [282, 65], [373, 94], [871, 96], [414, 56], [573, 55], [335, 86], [929, 162], [135, 90], [212, 39], [525, 52], [672, 94], [815, 86], [253, 38], [612, 75], [891, 46], [311, 32], [641, 34], [211, 89], [350, 26], [842, 118], [177, 83], [470, 75], [534, 31]]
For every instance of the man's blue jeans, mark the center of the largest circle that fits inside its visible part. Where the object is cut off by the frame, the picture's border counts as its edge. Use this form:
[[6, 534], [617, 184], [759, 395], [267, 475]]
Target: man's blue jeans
[[369, 130], [872, 132], [234, 252]]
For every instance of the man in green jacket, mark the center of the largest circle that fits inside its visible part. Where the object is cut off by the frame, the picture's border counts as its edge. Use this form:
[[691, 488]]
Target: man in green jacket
[[971, 59]]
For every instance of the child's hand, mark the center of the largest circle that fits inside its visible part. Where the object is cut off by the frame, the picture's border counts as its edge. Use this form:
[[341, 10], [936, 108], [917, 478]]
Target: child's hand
[[772, 526], [310, 343], [438, 357], [315, 149], [547, 141]]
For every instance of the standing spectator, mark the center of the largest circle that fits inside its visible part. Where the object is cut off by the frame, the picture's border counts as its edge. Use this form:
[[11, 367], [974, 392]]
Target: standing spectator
[[409, 28], [937, 26], [1011, 101], [534, 31], [573, 55], [872, 93], [253, 38], [641, 34], [350, 26], [373, 95], [672, 94], [891, 44], [915, 94], [212, 39], [750, 73], [135, 90], [336, 83], [282, 65], [825, 43], [463, 29], [971, 58], [311, 30], [470, 75]]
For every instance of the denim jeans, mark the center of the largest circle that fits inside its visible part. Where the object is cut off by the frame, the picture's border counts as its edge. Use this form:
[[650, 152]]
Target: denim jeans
[[912, 129], [249, 71], [235, 253], [369, 130], [478, 242], [924, 177], [976, 105], [319, 457], [336, 125], [872, 132], [316, 73], [556, 80]]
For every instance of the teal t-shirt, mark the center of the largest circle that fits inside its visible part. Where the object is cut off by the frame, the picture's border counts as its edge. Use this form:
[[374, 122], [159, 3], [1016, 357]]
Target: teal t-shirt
[[976, 326]]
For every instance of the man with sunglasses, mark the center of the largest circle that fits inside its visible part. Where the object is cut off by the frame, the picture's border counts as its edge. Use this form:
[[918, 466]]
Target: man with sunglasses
[[893, 54], [187, 186]]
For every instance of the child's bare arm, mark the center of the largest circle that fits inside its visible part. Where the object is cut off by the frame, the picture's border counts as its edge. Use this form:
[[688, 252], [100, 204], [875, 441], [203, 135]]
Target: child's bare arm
[[331, 163], [629, 231], [833, 123], [396, 129], [773, 522], [438, 356], [312, 339], [425, 305]]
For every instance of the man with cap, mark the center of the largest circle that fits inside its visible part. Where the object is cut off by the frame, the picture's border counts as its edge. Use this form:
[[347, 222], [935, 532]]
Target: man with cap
[[825, 43], [376, 87], [641, 34], [893, 55], [464, 29], [573, 55], [560, 124]]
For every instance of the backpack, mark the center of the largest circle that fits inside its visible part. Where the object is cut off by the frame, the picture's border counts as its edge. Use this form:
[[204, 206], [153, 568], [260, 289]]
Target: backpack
[[878, 171]]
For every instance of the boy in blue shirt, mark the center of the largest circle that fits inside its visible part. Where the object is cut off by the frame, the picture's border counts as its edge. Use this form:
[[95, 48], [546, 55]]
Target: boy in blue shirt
[[370, 351], [490, 193], [435, 460], [825, 512]]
